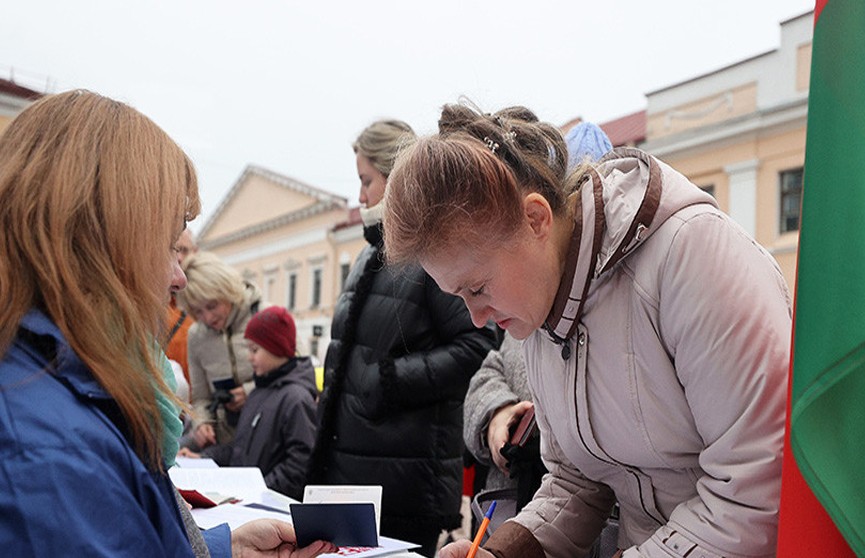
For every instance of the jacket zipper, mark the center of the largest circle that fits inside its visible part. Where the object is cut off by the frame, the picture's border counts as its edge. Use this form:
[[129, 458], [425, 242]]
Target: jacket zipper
[[581, 358]]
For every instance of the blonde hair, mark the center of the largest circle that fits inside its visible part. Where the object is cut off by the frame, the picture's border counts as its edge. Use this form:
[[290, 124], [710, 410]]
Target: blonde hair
[[209, 278], [93, 194], [381, 141]]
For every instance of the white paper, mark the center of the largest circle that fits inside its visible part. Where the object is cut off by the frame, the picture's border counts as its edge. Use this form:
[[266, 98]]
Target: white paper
[[195, 463], [277, 500], [233, 514], [243, 483], [387, 547], [345, 494], [236, 515]]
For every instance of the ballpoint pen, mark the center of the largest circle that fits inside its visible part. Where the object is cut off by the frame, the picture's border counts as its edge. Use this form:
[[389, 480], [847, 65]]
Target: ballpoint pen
[[481, 530]]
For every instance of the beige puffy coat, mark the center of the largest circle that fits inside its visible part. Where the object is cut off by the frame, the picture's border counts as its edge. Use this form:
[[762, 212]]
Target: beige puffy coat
[[221, 355], [672, 399]]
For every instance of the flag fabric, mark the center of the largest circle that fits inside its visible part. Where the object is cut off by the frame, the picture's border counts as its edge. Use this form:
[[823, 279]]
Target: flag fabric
[[826, 409]]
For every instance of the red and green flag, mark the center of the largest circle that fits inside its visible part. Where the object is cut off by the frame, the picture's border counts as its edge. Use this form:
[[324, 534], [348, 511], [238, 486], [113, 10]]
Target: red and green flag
[[826, 409]]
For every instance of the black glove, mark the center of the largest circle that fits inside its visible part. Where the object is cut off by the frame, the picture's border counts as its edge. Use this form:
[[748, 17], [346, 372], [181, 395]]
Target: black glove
[[526, 467]]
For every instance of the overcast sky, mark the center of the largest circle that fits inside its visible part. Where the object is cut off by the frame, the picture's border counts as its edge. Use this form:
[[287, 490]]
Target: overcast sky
[[288, 85]]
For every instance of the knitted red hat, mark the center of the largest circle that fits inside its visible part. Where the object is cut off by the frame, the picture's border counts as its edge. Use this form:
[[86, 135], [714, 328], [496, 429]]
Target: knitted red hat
[[273, 329]]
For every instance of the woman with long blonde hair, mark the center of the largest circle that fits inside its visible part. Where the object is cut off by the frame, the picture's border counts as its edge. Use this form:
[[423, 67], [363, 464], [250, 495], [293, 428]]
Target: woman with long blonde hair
[[397, 369], [93, 196]]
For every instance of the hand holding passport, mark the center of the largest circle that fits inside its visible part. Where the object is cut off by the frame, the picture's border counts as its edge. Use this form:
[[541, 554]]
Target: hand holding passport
[[346, 515]]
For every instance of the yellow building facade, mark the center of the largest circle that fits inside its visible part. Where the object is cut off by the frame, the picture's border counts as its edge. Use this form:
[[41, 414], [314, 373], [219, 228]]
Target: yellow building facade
[[295, 241], [738, 132]]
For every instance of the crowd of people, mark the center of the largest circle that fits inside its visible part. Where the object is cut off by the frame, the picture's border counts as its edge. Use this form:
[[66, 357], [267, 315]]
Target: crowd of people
[[509, 270]]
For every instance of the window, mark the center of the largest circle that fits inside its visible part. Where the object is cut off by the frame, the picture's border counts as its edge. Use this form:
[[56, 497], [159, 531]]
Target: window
[[316, 288], [343, 275], [791, 199], [292, 291], [269, 284]]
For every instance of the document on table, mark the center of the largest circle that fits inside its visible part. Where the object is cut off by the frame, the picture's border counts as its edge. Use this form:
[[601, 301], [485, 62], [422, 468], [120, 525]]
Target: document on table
[[236, 515], [243, 483], [257, 501], [195, 463], [386, 547]]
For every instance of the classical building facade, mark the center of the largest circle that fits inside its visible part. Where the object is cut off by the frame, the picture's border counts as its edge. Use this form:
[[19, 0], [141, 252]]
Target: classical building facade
[[295, 241], [738, 132]]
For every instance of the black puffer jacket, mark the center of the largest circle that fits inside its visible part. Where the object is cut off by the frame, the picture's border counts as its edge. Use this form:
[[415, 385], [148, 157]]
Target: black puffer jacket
[[276, 429], [396, 375]]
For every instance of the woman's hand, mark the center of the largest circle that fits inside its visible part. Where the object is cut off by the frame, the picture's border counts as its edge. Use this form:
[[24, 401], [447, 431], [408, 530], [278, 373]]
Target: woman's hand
[[460, 549], [499, 430], [265, 538], [204, 435], [186, 452], [238, 399]]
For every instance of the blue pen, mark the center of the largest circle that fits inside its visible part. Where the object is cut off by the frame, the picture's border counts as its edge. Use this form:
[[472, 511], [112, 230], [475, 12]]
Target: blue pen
[[481, 530]]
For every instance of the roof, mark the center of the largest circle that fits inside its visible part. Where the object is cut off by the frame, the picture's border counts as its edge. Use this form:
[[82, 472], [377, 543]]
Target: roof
[[324, 197], [566, 127], [350, 221], [11, 88], [626, 130]]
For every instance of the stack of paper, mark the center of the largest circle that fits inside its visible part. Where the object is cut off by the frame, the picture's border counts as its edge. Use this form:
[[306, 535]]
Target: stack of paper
[[223, 484], [324, 507]]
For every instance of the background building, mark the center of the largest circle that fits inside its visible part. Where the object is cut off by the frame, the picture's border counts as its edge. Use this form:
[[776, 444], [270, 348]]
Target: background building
[[738, 132], [13, 99], [295, 241]]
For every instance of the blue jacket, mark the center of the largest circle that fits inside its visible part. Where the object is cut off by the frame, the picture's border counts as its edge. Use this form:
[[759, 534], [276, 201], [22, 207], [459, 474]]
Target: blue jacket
[[70, 482]]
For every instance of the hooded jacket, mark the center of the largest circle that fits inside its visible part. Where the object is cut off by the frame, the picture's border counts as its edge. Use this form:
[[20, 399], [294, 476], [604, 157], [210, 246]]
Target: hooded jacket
[[71, 483], [397, 371], [221, 355], [501, 380], [276, 429], [661, 378]]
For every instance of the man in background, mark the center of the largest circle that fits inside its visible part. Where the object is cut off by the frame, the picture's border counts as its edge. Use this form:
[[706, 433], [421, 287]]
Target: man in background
[[178, 320]]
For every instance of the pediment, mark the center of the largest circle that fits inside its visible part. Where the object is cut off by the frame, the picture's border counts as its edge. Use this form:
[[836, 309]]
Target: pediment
[[260, 196]]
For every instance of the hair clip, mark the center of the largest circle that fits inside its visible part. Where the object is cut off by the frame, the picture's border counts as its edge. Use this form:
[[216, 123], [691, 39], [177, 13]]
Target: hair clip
[[509, 137], [491, 144]]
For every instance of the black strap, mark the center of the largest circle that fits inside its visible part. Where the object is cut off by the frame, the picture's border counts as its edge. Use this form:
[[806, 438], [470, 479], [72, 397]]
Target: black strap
[[176, 327]]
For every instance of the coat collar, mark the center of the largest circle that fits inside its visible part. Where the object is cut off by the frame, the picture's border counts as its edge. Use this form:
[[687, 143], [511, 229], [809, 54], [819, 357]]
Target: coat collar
[[584, 261], [37, 328], [240, 311]]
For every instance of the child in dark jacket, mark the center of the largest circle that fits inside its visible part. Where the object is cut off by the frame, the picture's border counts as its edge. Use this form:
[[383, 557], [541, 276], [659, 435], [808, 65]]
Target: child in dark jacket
[[276, 428]]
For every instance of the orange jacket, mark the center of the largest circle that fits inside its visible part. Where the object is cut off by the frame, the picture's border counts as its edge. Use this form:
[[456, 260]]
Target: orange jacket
[[176, 347]]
